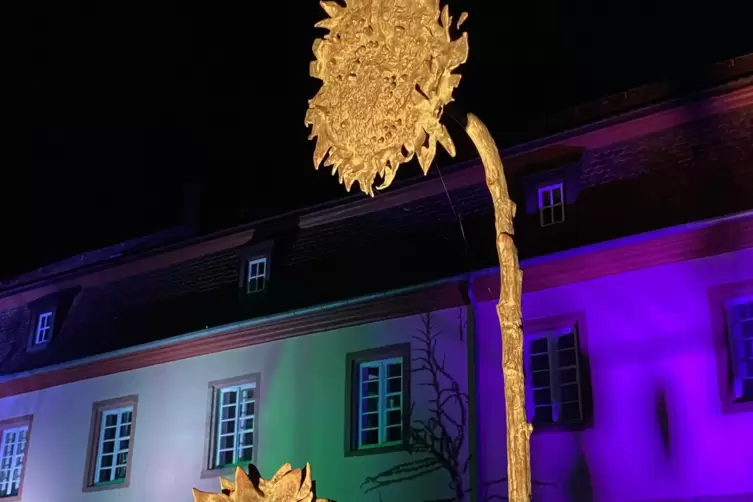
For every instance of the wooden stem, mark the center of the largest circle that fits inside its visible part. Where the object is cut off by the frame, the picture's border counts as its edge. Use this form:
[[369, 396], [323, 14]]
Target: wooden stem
[[509, 312]]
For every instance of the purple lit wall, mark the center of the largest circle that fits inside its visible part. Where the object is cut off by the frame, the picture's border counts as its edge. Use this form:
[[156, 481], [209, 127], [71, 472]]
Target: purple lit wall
[[659, 431]]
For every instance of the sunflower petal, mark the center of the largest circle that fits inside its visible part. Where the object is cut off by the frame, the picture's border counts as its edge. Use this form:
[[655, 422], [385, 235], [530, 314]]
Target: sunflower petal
[[199, 496], [426, 154], [444, 138], [305, 488], [332, 9], [226, 484]]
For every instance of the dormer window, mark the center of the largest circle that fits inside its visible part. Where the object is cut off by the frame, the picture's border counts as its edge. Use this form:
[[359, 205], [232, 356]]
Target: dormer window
[[551, 205], [256, 275], [43, 332]]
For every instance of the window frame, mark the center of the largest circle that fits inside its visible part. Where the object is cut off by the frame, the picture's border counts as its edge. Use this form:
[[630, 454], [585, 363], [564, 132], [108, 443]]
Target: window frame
[[215, 388], [48, 316], [265, 275], [551, 188], [736, 359], [43, 306], [99, 410], [354, 362], [17, 423], [552, 328], [720, 298]]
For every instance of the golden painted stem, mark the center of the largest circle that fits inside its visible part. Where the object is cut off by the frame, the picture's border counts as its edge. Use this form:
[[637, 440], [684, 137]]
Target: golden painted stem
[[509, 312]]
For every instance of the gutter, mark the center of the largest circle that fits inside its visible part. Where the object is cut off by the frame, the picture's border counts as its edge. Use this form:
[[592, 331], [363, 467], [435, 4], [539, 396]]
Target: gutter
[[227, 328], [467, 278]]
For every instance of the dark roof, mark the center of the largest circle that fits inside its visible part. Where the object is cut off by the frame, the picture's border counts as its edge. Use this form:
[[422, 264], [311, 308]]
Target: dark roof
[[698, 170]]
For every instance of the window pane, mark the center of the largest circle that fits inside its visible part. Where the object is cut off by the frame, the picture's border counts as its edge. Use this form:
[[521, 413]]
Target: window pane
[[370, 388], [104, 475], [228, 412], [394, 434], [227, 442], [110, 433], [369, 404], [229, 397], [568, 376], [227, 427], [542, 396], [120, 473], [748, 349], [247, 409], [246, 454], [369, 373], [566, 341], [246, 439], [370, 437], [260, 283], [540, 362], [107, 460], [394, 385], [557, 195], [124, 444], [559, 213], [546, 198], [111, 420], [541, 379], [247, 394], [748, 388], [567, 357], [125, 430], [370, 420], [108, 447], [125, 418], [122, 458], [246, 423], [540, 346], [747, 329], [226, 457], [569, 393], [547, 216], [749, 365], [394, 417], [394, 402], [394, 370]]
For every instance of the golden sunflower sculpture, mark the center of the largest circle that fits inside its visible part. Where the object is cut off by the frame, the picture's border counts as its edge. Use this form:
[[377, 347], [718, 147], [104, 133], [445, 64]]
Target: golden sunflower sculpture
[[386, 70], [287, 485]]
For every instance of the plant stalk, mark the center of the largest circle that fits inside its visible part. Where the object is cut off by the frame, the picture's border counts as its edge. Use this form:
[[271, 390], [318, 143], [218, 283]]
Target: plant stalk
[[509, 312]]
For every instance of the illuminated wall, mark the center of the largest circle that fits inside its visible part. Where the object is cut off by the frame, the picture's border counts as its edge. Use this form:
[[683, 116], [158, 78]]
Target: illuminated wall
[[648, 335], [301, 414]]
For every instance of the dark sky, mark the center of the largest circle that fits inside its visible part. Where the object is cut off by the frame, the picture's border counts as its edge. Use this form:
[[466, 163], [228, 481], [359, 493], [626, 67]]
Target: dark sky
[[128, 101]]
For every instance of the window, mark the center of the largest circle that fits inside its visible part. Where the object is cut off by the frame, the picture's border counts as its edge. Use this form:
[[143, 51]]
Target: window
[[111, 444], [13, 446], [551, 205], [44, 328], [554, 376], [740, 319], [256, 275], [233, 425], [380, 385]]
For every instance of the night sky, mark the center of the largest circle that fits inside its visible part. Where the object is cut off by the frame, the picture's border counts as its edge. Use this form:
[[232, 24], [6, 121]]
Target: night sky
[[126, 102]]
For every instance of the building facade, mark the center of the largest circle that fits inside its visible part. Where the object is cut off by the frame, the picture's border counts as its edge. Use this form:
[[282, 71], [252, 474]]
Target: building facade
[[363, 338]]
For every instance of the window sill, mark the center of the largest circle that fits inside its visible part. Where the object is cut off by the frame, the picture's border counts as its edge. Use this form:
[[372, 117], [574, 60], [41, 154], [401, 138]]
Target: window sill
[[225, 471], [552, 428], [110, 485], [732, 406], [375, 450]]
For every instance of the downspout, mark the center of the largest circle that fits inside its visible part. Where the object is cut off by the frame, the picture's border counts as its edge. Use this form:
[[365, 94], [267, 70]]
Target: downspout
[[472, 365]]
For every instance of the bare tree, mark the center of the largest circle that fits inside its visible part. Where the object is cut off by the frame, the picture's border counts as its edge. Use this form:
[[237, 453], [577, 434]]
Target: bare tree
[[439, 439]]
